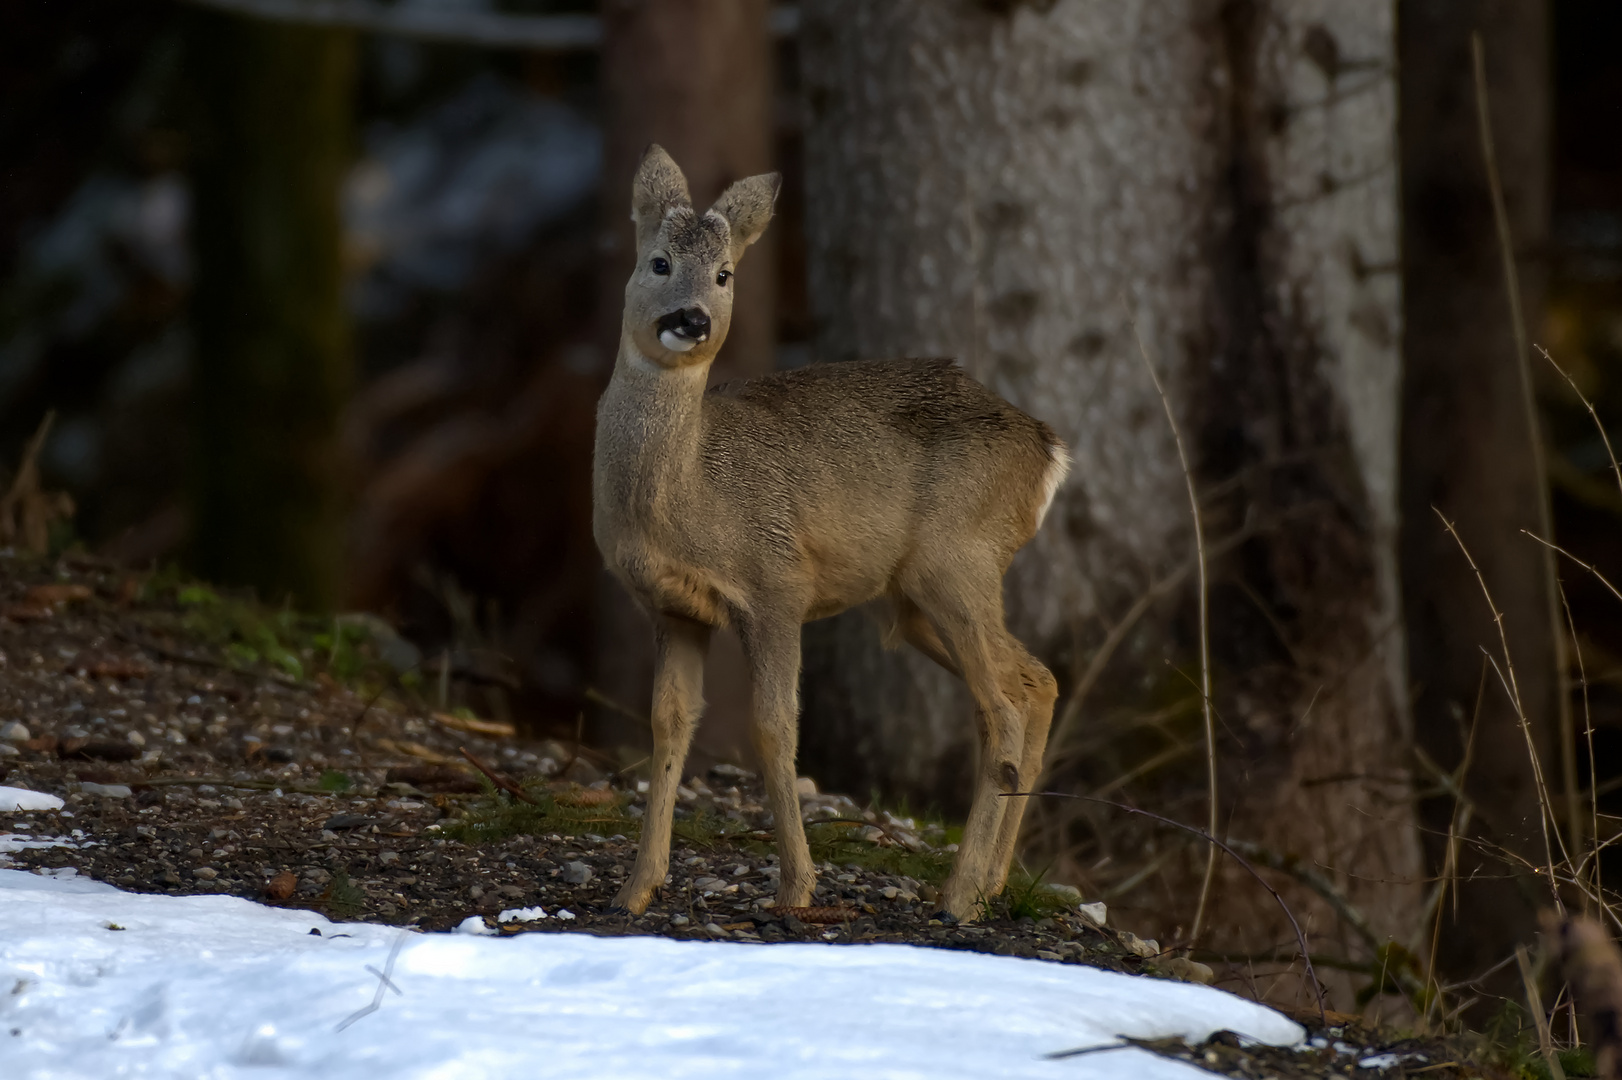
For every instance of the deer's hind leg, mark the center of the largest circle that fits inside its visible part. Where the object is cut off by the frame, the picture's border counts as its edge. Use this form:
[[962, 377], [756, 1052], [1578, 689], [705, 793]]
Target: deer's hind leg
[[968, 618], [678, 701], [1037, 691]]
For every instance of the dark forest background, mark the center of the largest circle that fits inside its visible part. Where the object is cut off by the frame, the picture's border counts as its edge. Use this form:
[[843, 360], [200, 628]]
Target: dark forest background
[[322, 313]]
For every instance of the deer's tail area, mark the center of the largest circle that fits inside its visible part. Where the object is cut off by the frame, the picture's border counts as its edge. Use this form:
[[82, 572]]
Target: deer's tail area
[[1059, 462]]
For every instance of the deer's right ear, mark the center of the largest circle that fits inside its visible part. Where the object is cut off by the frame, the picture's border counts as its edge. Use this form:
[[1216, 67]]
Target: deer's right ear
[[659, 185], [747, 208]]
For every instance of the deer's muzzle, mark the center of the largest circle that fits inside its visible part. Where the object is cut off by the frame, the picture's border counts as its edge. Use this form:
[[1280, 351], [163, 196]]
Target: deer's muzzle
[[681, 330]]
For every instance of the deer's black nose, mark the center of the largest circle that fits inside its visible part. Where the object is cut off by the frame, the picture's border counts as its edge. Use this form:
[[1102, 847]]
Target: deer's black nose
[[690, 323]]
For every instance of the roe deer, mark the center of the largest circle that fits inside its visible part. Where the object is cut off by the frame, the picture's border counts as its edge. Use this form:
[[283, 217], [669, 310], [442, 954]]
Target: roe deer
[[773, 501]]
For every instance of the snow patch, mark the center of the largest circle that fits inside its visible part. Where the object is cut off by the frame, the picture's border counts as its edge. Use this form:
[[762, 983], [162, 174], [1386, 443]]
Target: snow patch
[[16, 798], [209, 985]]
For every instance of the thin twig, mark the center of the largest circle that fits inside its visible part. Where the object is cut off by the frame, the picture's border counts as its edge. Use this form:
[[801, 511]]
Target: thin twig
[[1317, 882], [1300, 938], [1213, 822], [384, 981], [595, 695], [500, 781], [1590, 567], [1540, 466], [1616, 468], [1071, 714]]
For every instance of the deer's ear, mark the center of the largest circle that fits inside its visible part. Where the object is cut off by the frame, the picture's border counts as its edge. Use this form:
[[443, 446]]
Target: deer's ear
[[747, 208], [658, 186]]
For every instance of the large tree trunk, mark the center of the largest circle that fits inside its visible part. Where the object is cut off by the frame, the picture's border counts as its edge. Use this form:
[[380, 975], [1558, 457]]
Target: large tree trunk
[[271, 364], [989, 181], [694, 76], [1466, 448]]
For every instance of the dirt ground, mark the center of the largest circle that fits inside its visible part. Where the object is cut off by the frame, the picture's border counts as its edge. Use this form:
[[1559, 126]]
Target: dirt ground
[[205, 747]]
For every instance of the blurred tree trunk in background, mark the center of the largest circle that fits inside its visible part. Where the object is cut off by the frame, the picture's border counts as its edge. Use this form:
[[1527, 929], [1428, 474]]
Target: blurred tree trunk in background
[[986, 181], [1465, 445], [271, 363], [696, 77]]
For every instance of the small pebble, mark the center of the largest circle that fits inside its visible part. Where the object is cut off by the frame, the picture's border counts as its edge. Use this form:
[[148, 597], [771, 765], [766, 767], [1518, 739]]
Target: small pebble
[[207, 873], [15, 731], [577, 873]]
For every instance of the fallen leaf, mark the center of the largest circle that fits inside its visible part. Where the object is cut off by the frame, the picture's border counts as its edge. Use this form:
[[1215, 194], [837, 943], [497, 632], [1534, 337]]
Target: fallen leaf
[[493, 728], [416, 750], [584, 797], [282, 885], [97, 749], [26, 612], [442, 779], [53, 596], [823, 915], [102, 666]]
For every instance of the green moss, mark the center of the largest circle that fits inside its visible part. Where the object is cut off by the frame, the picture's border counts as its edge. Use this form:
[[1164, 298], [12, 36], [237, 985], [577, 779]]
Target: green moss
[[495, 815], [333, 780], [835, 841], [343, 897], [251, 635]]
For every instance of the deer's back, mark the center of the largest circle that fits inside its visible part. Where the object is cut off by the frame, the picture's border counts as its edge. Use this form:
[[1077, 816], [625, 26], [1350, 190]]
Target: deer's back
[[863, 461]]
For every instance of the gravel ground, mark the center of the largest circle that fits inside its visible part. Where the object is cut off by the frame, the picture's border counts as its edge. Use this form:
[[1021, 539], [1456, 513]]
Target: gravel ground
[[187, 771]]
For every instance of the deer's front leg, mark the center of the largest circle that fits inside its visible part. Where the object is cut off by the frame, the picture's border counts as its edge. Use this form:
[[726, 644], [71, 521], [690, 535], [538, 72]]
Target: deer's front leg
[[773, 649], [678, 700]]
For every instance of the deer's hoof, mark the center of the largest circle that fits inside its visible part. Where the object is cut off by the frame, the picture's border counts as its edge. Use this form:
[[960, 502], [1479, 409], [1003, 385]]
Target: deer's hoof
[[631, 902]]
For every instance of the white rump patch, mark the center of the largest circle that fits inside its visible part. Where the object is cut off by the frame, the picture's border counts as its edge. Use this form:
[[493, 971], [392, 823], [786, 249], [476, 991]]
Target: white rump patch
[[1058, 468]]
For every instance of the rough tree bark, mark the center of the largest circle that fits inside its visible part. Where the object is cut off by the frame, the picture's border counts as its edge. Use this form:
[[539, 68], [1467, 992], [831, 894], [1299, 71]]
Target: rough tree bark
[[1465, 445], [271, 362], [987, 180], [694, 76]]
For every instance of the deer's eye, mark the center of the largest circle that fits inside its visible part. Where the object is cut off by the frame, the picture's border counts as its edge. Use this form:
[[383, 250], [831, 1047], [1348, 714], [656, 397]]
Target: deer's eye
[[723, 277], [660, 265]]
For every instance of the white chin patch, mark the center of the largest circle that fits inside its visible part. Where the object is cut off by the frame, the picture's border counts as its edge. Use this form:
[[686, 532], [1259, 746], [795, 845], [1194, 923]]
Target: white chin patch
[[675, 342]]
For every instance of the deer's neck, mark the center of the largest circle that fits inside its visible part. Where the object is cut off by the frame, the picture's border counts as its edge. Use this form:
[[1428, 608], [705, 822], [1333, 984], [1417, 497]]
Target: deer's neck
[[650, 427]]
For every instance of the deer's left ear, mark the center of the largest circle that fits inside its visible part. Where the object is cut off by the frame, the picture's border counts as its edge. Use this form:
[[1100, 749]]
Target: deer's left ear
[[747, 208]]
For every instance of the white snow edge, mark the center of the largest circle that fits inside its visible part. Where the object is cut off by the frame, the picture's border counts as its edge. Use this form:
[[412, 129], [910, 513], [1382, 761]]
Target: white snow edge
[[112, 984]]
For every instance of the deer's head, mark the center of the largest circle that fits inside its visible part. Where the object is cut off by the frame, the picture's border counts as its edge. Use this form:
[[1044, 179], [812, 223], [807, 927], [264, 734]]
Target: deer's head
[[678, 303]]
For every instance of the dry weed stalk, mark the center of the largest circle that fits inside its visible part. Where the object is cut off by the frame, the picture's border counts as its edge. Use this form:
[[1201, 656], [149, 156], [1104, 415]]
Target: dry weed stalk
[[1540, 1019], [1540, 467], [27, 511], [1213, 821], [1506, 676]]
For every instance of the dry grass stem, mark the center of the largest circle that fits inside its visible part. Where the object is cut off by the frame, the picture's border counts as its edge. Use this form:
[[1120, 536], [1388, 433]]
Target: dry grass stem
[[1540, 466], [1534, 1005], [1512, 687], [1588, 732], [1213, 822]]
